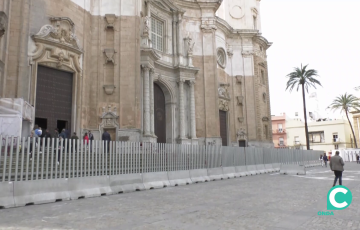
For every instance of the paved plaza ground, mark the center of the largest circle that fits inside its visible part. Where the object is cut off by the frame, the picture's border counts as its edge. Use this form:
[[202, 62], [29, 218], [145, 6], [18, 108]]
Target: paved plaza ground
[[269, 202]]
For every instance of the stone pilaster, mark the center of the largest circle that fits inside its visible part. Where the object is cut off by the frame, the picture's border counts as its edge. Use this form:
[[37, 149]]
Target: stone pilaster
[[192, 110], [182, 109], [146, 100], [152, 121]]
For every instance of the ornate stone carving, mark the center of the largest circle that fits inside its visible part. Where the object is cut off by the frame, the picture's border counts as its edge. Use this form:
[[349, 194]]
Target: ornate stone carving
[[241, 134], [60, 31], [61, 59], [247, 53], [223, 105], [190, 49], [239, 79], [109, 55], [230, 51], [110, 20], [240, 100], [265, 119], [146, 29], [109, 118], [241, 119], [109, 89], [224, 91], [236, 12], [3, 23], [208, 25]]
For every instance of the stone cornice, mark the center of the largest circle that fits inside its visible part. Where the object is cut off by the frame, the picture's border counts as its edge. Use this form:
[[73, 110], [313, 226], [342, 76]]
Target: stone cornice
[[231, 32], [171, 7], [262, 41]]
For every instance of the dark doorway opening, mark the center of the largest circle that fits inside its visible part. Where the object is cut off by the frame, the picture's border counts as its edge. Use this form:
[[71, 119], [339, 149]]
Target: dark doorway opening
[[223, 127], [159, 114], [41, 122], [242, 143], [62, 125], [54, 94]]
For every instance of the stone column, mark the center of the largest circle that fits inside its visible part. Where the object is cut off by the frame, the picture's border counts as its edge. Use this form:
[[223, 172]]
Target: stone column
[[152, 121], [192, 110], [146, 101], [182, 109]]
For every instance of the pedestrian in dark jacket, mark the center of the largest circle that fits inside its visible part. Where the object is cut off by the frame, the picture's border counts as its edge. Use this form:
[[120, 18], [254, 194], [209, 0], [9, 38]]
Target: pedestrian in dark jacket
[[337, 165], [56, 133], [325, 159], [107, 138], [357, 159], [45, 136], [63, 134]]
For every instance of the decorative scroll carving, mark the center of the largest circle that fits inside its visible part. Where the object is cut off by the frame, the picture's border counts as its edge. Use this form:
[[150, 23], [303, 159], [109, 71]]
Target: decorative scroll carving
[[223, 105], [110, 20], [109, 55], [208, 25], [247, 53], [240, 100], [241, 119]]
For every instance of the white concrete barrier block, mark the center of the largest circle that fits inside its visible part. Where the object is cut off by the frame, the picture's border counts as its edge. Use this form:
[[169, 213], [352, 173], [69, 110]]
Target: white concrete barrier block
[[155, 180], [229, 172], [85, 187], [216, 174], [242, 171], [292, 169], [199, 175], [124, 183], [179, 177], [7, 195]]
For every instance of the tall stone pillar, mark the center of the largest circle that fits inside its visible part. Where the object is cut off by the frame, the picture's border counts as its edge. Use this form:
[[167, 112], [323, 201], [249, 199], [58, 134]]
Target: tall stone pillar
[[192, 110], [152, 121], [182, 109], [146, 100]]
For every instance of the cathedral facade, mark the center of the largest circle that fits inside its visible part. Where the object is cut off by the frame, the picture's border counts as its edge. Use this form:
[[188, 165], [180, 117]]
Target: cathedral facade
[[167, 71]]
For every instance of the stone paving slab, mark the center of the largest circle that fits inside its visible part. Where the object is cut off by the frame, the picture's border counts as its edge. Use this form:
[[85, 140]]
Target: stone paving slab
[[264, 202]]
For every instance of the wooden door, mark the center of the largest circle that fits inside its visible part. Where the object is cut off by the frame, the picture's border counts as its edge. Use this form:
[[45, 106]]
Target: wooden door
[[159, 114], [223, 127], [54, 90]]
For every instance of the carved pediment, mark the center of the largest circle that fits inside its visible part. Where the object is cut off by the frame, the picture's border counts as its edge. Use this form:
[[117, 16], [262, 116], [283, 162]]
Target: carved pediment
[[60, 33], [241, 134], [166, 5]]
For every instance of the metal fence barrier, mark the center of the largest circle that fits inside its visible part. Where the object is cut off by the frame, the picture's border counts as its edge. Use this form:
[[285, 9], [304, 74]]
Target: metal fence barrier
[[35, 170]]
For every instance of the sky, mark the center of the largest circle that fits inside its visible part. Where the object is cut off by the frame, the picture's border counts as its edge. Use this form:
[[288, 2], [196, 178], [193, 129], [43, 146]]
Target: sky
[[325, 34]]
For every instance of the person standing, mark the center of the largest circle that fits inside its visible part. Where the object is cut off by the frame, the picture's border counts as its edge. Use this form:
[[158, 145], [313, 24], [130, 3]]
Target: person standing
[[63, 134], [337, 165], [325, 159], [45, 136], [56, 133], [321, 160], [106, 137], [86, 139], [74, 137], [357, 159], [91, 138]]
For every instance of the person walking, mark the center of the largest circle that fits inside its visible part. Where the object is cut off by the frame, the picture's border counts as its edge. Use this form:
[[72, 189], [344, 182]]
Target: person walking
[[56, 133], [337, 165], [46, 135], [357, 159], [325, 159], [321, 160], [106, 137], [63, 134]]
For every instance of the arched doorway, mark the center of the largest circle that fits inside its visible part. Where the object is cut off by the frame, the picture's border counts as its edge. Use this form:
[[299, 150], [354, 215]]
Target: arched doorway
[[159, 114]]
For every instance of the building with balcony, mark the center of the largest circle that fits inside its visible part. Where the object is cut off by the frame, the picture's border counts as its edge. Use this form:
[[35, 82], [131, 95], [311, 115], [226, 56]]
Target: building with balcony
[[323, 135], [279, 131]]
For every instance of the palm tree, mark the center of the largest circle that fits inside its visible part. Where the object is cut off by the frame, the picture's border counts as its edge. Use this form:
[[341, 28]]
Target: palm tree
[[345, 103], [301, 77]]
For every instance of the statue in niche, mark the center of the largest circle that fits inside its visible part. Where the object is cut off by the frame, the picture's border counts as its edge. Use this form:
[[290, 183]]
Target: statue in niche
[[190, 46], [146, 25]]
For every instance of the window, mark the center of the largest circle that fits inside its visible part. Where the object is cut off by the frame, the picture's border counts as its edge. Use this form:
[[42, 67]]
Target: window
[[255, 22], [336, 146], [296, 140], [262, 77], [221, 57], [316, 137], [335, 137], [281, 141], [157, 34], [280, 128]]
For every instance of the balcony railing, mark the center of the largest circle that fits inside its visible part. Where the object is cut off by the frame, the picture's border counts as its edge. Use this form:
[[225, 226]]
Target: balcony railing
[[336, 140], [279, 131]]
